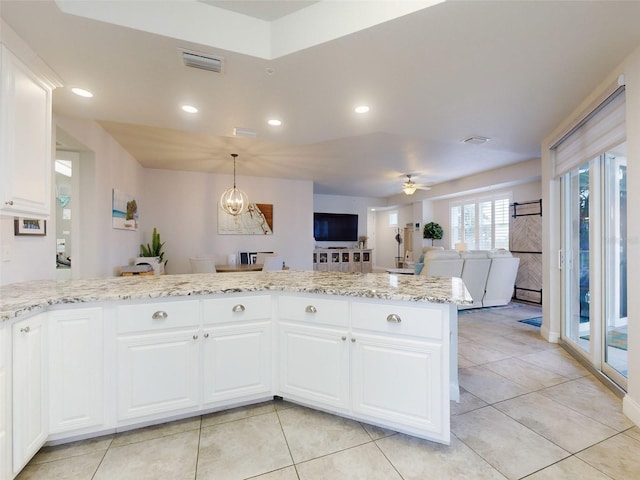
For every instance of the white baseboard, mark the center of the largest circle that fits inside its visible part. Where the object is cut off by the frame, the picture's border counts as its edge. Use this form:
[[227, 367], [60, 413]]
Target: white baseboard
[[631, 409]]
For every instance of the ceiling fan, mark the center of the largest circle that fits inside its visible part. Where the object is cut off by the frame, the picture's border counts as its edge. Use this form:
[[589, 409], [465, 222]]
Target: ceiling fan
[[409, 187]]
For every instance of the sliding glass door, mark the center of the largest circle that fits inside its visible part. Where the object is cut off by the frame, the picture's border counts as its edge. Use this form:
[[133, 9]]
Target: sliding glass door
[[615, 273], [594, 262], [576, 238]]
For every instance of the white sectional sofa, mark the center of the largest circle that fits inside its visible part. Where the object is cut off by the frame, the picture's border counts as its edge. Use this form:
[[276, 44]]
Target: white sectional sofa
[[488, 274]]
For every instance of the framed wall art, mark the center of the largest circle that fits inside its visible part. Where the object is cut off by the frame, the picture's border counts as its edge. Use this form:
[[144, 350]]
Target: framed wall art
[[29, 226], [257, 219], [124, 211]]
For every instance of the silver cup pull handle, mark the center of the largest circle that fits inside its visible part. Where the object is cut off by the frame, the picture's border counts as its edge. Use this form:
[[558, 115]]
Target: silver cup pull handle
[[394, 318], [310, 309], [238, 308], [160, 315]]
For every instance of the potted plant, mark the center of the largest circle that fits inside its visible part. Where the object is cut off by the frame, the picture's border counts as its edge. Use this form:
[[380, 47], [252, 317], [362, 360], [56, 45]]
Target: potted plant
[[152, 253], [432, 231]]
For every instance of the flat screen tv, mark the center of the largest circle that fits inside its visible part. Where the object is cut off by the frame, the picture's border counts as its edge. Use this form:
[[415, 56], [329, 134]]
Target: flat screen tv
[[335, 227]]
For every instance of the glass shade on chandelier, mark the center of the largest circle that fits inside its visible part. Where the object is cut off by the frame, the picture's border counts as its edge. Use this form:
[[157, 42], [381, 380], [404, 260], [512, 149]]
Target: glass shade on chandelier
[[234, 201], [409, 188]]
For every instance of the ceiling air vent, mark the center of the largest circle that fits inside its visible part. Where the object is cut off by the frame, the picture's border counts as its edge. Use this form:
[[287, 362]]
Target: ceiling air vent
[[475, 140], [203, 62]]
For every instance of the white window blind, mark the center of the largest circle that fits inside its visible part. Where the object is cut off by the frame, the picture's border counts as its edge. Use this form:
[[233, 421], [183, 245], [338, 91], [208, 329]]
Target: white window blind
[[485, 221], [501, 224], [456, 224], [470, 225], [481, 224], [601, 130]]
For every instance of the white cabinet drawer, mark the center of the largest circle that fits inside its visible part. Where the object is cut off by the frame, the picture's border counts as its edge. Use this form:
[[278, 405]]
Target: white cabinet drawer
[[314, 309], [146, 317], [236, 309], [423, 321]]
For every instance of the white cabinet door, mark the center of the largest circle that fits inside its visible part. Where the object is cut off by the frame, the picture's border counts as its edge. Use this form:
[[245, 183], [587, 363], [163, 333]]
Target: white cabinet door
[[237, 361], [30, 422], [76, 369], [400, 381], [25, 139], [314, 364], [5, 401], [158, 373]]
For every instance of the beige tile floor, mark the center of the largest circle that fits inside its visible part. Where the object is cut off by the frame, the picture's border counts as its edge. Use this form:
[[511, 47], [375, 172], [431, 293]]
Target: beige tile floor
[[528, 410]]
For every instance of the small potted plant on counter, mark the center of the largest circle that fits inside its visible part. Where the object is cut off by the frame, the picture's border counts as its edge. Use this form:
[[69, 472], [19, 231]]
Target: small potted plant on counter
[[152, 254]]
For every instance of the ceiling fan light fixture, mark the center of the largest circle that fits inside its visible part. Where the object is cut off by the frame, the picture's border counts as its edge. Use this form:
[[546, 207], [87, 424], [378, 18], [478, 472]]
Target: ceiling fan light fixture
[[409, 188], [234, 201]]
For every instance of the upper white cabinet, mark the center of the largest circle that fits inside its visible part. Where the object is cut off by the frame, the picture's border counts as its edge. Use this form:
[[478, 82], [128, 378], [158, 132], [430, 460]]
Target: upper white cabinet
[[30, 406], [25, 139], [76, 369]]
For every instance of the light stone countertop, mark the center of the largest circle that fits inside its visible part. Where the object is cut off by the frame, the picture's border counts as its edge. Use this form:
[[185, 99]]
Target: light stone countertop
[[23, 298]]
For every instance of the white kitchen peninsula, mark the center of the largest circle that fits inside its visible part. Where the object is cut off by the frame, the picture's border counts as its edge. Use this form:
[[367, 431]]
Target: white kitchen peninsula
[[117, 353]]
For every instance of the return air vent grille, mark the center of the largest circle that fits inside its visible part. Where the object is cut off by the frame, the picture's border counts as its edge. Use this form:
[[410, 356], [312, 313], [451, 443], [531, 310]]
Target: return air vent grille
[[203, 62], [475, 140]]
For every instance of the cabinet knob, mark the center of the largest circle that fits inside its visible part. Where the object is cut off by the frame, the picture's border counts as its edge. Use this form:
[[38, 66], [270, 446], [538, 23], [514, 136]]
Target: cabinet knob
[[393, 318], [353, 340], [195, 337], [310, 309], [10, 202], [344, 338], [26, 329], [206, 335], [159, 315], [238, 308]]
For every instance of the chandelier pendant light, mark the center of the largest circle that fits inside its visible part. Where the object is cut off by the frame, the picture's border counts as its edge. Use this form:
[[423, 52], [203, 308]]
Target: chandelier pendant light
[[234, 201]]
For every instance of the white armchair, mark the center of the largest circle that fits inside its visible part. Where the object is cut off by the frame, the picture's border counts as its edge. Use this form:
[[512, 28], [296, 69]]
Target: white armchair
[[501, 278], [474, 274]]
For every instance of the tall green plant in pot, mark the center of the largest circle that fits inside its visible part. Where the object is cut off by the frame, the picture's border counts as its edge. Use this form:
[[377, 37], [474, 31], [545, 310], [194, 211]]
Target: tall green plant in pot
[[154, 249], [432, 231]]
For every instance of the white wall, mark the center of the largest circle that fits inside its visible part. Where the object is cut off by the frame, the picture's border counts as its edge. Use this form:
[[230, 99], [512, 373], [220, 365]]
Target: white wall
[[104, 165], [30, 258], [386, 245], [630, 68], [183, 207]]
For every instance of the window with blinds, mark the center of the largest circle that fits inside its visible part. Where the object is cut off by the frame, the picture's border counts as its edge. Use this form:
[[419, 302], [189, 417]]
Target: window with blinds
[[482, 224]]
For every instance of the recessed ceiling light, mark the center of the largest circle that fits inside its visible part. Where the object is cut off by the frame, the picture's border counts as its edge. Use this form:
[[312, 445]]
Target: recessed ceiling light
[[274, 122], [189, 109], [362, 109], [82, 92]]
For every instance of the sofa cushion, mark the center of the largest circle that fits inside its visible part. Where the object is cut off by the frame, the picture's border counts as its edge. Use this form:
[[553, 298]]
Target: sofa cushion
[[474, 254], [441, 255], [428, 249]]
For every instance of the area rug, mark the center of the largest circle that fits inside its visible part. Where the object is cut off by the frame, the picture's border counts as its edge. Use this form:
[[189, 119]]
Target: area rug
[[535, 321], [616, 338]]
